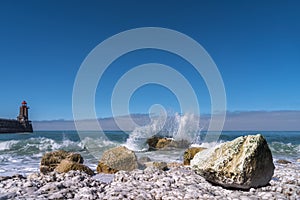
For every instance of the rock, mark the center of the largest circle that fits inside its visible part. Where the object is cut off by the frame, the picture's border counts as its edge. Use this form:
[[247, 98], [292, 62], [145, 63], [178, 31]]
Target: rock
[[159, 165], [143, 160], [298, 160], [157, 142], [174, 164], [281, 161], [163, 143], [50, 160], [242, 163], [190, 153], [152, 142], [67, 165], [103, 168], [116, 159]]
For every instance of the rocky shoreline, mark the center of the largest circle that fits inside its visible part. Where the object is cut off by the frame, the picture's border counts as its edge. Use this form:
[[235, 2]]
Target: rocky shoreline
[[245, 165], [151, 183]]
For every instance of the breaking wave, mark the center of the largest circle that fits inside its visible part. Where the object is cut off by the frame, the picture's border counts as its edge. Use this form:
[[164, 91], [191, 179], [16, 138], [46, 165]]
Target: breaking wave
[[177, 127]]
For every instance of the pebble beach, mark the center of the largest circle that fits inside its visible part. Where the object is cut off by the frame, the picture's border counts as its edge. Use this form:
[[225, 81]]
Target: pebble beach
[[151, 183]]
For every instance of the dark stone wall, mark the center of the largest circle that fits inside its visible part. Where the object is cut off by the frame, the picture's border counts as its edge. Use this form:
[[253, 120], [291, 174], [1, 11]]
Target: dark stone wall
[[14, 126]]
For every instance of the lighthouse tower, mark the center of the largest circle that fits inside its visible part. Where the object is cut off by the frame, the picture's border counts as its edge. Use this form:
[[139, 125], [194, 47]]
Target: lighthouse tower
[[23, 114], [23, 118]]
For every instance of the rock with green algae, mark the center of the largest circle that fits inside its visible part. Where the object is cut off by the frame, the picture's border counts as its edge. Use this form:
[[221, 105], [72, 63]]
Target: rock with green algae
[[243, 163]]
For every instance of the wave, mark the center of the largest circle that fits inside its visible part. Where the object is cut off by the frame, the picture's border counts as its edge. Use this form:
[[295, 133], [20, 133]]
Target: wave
[[37, 145], [280, 149], [6, 145], [178, 127]]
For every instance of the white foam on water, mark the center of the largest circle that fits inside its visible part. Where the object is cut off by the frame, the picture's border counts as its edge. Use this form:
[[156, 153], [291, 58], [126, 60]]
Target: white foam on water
[[177, 127], [6, 145]]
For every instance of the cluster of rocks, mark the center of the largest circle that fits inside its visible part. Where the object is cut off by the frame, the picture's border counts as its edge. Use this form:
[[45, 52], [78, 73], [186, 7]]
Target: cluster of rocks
[[62, 161], [244, 163]]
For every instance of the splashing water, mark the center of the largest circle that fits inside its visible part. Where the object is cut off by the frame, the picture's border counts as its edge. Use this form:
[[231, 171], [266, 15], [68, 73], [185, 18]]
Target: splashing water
[[178, 127]]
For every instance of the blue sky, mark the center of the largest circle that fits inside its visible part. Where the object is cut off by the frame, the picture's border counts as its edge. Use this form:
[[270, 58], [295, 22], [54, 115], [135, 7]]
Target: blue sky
[[255, 44]]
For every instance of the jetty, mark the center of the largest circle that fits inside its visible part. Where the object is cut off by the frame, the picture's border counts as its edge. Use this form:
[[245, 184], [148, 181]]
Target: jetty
[[20, 125]]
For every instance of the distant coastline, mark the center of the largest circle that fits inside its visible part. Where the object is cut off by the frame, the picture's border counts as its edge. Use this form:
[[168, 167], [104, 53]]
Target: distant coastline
[[235, 121]]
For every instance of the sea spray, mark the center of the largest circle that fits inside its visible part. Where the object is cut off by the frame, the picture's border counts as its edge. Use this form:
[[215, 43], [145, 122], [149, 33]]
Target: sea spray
[[21, 153], [178, 127]]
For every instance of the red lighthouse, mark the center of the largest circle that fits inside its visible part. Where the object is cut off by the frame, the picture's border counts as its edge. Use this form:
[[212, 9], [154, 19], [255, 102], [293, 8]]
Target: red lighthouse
[[23, 114]]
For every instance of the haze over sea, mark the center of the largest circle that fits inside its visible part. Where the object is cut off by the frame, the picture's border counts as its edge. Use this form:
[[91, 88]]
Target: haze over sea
[[21, 153]]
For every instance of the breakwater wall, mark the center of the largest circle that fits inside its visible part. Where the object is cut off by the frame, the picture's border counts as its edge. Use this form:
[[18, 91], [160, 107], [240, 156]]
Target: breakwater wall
[[15, 126]]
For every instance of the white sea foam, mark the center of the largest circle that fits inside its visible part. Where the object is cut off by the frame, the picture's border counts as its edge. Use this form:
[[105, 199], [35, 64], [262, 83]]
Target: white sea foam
[[6, 145], [178, 127]]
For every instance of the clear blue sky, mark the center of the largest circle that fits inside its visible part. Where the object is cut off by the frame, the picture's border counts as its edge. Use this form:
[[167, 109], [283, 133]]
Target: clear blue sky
[[255, 44]]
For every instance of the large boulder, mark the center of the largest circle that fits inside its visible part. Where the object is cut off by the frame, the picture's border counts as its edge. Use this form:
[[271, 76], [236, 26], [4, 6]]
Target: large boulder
[[116, 159], [242, 163], [67, 165], [50, 160], [189, 154]]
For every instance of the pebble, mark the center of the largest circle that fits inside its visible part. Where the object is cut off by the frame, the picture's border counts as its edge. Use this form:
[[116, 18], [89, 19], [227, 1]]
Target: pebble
[[179, 182]]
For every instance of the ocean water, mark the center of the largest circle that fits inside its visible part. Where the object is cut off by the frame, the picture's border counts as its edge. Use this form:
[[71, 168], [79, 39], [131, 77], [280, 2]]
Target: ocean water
[[21, 153]]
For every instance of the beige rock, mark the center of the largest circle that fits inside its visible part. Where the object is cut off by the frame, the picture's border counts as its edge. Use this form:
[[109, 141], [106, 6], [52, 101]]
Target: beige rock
[[163, 143], [116, 159], [174, 164], [190, 153], [156, 142], [159, 165], [67, 165], [242, 163], [103, 168], [50, 160]]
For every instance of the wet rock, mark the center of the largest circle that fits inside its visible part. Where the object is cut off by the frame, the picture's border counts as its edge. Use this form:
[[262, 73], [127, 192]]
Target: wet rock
[[116, 159], [242, 163], [159, 165], [157, 142], [67, 165], [152, 142], [174, 164], [281, 161], [190, 153], [50, 160]]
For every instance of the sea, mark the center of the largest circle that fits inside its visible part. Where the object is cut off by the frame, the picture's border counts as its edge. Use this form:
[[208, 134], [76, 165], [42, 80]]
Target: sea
[[20, 153]]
